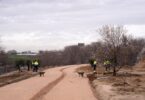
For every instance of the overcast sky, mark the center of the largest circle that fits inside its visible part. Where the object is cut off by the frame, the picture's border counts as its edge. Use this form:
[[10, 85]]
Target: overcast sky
[[52, 24]]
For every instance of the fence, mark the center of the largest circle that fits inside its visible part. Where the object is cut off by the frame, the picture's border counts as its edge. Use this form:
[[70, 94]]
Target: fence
[[6, 69]]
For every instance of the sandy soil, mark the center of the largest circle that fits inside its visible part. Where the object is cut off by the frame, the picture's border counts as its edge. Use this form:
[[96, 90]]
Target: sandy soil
[[129, 84], [71, 87], [60, 83]]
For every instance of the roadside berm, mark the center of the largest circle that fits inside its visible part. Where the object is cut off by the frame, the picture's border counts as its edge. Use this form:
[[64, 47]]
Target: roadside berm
[[129, 84]]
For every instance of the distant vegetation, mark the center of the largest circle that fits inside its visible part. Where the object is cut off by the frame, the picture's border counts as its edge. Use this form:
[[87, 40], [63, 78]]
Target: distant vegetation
[[11, 61], [115, 45]]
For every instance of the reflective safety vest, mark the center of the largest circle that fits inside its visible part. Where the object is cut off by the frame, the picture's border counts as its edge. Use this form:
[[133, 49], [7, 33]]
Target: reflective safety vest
[[36, 63], [107, 62], [95, 63]]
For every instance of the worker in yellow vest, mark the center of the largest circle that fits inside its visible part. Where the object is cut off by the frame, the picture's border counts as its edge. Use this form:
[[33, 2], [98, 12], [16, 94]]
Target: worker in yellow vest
[[107, 65], [36, 64], [94, 65]]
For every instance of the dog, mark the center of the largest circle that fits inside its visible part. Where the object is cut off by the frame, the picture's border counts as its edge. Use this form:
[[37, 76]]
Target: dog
[[81, 74], [41, 73]]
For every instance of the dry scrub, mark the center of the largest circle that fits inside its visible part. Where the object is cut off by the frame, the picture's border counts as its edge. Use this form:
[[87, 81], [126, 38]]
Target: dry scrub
[[128, 82]]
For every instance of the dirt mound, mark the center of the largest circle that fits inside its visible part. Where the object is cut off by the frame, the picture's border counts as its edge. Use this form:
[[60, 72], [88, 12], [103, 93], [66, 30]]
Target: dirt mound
[[15, 77]]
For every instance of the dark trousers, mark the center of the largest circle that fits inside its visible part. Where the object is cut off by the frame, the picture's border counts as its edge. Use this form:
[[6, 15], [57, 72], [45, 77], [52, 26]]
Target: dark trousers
[[94, 67], [35, 69]]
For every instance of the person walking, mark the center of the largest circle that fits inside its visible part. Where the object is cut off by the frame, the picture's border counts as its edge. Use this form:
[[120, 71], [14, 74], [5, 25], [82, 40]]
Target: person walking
[[94, 65], [107, 65], [36, 64]]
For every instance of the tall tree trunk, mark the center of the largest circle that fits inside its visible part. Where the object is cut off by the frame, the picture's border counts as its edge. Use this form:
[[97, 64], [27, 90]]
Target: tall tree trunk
[[115, 63]]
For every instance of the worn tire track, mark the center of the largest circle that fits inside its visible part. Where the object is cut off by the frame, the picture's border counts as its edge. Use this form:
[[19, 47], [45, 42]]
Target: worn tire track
[[47, 88]]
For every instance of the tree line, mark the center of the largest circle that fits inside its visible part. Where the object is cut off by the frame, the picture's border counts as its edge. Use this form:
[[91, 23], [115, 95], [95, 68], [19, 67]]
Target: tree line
[[115, 45]]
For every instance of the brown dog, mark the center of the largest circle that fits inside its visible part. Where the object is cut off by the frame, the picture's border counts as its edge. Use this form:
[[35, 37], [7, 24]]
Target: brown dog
[[41, 73], [81, 74]]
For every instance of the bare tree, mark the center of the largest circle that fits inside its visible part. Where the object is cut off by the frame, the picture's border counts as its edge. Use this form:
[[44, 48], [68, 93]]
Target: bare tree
[[138, 46], [73, 54], [112, 37]]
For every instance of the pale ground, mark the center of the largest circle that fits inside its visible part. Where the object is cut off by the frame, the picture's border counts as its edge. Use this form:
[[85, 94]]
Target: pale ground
[[112, 88], [60, 83]]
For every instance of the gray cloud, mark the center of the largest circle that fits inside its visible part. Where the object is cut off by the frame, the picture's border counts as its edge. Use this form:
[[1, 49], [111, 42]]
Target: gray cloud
[[58, 21]]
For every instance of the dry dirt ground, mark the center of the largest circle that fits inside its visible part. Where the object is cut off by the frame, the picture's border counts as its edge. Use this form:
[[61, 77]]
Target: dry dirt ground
[[15, 76], [129, 84], [61, 83]]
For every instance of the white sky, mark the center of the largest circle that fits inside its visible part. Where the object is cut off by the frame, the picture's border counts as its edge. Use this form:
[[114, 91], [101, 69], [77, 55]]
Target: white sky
[[52, 24]]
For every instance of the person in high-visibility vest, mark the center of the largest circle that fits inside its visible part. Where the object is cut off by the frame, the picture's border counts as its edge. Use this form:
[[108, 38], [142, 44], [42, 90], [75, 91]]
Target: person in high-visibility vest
[[36, 64], [94, 65], [107, 65]]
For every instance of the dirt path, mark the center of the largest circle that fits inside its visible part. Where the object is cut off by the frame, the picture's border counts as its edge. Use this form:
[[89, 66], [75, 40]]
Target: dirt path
[[47, 88], [71, 87], [58, 84]]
